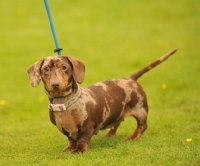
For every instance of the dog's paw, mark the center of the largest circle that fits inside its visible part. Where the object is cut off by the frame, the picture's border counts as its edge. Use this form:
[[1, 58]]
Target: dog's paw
[[66, 148], [71, 145], [81, 148]]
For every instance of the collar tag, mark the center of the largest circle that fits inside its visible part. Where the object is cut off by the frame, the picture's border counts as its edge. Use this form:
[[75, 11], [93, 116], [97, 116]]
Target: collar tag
[[57, 107], [63, 107]]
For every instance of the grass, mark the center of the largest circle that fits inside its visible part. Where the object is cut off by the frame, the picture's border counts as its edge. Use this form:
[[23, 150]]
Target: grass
[[114, 39]]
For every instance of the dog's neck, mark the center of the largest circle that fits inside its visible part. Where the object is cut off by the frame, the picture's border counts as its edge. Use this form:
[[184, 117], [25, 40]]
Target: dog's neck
[[63, 99]]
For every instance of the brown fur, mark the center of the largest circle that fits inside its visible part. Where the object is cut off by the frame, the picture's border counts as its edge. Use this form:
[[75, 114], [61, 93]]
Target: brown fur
[[100, 106]]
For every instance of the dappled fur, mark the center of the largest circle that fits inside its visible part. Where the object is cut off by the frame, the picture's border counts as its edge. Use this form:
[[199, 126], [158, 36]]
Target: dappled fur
[[100, 106]]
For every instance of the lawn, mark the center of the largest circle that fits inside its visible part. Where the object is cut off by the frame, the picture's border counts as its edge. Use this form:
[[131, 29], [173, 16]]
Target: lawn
[[114, 39]]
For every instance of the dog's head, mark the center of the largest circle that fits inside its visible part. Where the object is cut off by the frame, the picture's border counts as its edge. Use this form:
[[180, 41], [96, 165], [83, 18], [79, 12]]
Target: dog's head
[[57, 73]]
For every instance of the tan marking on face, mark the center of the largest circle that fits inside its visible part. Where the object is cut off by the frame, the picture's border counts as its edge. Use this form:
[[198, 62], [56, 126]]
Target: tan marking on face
[[56, 71]]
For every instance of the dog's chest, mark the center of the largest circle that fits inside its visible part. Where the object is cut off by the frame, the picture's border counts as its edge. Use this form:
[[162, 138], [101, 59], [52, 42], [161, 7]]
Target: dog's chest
[[69, 121]]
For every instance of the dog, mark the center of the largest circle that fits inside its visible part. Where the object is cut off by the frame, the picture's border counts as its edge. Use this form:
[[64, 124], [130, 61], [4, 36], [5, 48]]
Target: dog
[[79, 113]]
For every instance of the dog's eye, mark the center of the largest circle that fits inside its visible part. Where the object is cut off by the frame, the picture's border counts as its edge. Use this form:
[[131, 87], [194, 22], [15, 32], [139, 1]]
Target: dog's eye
[[64, 67], [46, 69]]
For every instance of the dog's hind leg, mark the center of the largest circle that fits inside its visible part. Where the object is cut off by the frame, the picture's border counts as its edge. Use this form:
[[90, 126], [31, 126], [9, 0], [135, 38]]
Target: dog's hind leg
[[141, 118], [138, 131]]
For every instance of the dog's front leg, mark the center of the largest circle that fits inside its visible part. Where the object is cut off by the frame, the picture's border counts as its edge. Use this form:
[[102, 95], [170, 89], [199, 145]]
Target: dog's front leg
[[71, 145], [84, 140]]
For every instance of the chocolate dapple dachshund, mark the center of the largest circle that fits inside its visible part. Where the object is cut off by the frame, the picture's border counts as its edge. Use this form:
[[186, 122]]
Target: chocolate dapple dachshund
[[79, 113]]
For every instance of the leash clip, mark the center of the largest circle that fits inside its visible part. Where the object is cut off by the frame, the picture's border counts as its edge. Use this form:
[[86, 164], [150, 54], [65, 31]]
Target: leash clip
[[58, 50]]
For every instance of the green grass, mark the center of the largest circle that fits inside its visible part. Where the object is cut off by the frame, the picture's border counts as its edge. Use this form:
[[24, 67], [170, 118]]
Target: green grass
[[114, 39]]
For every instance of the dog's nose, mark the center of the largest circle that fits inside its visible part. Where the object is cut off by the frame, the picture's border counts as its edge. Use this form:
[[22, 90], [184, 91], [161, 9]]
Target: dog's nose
[[55, 85]]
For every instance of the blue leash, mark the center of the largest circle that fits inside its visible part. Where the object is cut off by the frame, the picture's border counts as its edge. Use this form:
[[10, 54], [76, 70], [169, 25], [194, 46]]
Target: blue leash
[[58, 49]]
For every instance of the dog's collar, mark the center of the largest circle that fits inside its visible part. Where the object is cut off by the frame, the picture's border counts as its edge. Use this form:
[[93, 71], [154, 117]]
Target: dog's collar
[[63, 107]]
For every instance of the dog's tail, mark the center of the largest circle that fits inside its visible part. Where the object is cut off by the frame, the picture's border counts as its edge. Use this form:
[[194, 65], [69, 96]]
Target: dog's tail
[[139, 73]]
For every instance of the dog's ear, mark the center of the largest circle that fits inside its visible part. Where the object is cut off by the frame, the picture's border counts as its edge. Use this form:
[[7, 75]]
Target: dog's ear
[[34, 73], [78, 69]]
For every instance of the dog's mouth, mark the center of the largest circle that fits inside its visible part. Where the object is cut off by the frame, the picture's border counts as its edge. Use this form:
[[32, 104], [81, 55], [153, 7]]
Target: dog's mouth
[[58, 92], [56, 89]]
